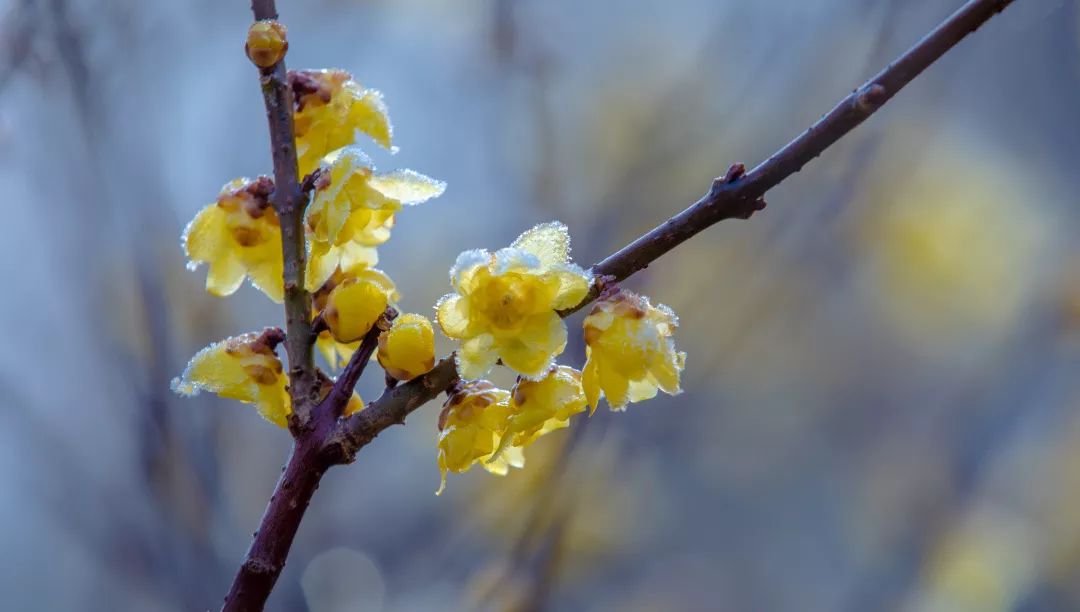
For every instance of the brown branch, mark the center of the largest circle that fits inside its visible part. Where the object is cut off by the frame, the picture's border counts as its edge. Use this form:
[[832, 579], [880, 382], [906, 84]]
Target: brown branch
[[289, 202], [735, 195], [331, 407], [280, 522], [328, 440]]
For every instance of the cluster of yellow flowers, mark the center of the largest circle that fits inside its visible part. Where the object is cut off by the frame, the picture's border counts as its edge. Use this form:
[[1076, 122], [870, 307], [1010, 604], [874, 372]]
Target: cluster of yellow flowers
[[504, 308], [351, 212]]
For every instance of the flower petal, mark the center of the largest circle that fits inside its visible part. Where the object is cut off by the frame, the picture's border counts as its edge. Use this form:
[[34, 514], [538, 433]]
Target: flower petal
[[549, 242], [452, 314], [477, 356], [407, 186]]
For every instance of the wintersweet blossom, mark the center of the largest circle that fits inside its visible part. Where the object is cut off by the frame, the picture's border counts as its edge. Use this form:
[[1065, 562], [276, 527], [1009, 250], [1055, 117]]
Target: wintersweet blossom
[[505, 305], [238, 235], [352, 211], [471, 427], [243, 368], [629, 351], [407, 349], [330, 108], [541, 406]]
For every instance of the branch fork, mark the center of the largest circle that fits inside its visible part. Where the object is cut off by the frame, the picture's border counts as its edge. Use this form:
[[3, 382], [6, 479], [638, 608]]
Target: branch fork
[[324, 438]]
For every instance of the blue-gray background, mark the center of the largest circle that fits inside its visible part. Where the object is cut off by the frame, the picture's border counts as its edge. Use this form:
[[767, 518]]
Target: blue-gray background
[[882, 389]]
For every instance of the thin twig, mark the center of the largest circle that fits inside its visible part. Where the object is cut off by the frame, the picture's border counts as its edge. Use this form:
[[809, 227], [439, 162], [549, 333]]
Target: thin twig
[[331, 407], [735, 195]]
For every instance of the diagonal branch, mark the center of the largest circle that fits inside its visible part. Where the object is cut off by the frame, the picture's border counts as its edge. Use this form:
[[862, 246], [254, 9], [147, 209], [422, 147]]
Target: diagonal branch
[[736, 195], [331, 407]]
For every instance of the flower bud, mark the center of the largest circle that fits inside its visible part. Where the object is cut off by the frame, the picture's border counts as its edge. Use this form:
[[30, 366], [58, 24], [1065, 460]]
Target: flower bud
[[266, 43]]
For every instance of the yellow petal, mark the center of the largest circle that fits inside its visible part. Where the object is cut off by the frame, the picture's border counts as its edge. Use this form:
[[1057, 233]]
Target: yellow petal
[[477, 356], [573, 285], [407, 349], [353, 307], [407, 186], [225, 275], [205, 238], [273, 404], [549, 242], [268, 274], [335, 353], [214, 369], [452, 314], [616, 386], [590, 382], [369, 114], [355, 405]]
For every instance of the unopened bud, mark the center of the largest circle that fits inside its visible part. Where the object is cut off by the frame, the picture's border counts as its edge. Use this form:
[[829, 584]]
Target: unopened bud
[[266, 43]]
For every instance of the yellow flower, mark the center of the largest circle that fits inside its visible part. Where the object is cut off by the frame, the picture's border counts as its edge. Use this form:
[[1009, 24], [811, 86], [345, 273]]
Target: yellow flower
[[243, 368], [238, 235], [541, 406], [506, 302], [352, 211], [266, 43], [471, 426], [330, 108], [350, 303], [407, 349], [629, 351]]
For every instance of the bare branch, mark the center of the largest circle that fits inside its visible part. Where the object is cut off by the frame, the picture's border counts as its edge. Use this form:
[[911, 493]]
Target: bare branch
[[735, 195], [334, 403], [289, 202], [266, 557]]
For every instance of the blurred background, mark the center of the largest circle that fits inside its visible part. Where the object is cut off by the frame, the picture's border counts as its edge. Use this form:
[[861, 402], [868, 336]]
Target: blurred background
[[882, 406]]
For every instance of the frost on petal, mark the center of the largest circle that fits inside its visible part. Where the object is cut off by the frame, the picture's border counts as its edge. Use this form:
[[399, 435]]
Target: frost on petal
[[573, 285], [472, 424], [452, 314], [205, 237], [407, 186], [370, 115], [238, 235], [543, 405], [630, 354], [514, 260], [513, 296], [550, 242], [212, 370], [243, 368], [339, 192], [331, 109], [465, 268]]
